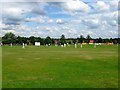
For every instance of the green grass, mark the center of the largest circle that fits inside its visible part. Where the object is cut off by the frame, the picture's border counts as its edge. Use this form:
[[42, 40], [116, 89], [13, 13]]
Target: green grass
[[0, 68], [57, 67]]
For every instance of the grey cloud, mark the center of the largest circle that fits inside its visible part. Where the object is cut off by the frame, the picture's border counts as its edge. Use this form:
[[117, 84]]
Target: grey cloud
[[92, 24], [56, 4], [38, 10], [15, 13], [11, 22]]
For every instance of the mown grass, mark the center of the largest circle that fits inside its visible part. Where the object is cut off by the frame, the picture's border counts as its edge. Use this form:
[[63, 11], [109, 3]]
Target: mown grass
[[57, 67]]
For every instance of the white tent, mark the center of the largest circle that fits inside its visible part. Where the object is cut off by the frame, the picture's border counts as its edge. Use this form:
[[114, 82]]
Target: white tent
[[37, 43]]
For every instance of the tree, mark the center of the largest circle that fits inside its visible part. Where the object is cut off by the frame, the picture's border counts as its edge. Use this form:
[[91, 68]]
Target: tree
[[19, 40], [115, 41], [9, 38], [32, 40], [24, 40], [106, 40], [88, 38], [100, 40], [48, 40], [62, 39], [111, 40], [81, 39], [41, 40]]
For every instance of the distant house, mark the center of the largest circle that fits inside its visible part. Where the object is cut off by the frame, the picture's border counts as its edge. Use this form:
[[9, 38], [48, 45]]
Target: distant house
[[91, 41]]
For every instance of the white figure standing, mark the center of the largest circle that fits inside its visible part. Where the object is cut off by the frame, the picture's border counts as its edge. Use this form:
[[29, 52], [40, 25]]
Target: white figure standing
[[1, 44], [64, 45], [94, 45], [81, 45], [23, 45], [46, 45], [75, 45], [11, 44]]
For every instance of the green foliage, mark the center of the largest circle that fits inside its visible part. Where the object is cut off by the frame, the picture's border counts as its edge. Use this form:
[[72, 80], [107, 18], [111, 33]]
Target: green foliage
[[62, 39], [41, 40], [82, 39], [88, 38], [32, 40], [48, 40], [9, 38]]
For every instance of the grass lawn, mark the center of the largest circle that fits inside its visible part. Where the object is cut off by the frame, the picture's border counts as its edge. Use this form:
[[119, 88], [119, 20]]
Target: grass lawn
[[57, 67]]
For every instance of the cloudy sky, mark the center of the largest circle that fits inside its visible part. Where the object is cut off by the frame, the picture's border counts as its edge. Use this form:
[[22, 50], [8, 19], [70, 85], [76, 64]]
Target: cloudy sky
[[98, 18]]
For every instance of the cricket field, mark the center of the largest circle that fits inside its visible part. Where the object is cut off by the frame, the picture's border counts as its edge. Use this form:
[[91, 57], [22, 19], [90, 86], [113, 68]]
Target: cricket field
[[59, 67]]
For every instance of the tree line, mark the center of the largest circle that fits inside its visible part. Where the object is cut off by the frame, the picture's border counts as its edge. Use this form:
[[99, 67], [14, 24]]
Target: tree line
[[9, 38]]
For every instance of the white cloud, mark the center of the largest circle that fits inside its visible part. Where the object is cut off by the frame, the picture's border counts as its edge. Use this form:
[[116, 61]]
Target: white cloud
[[84, 20], [114, 3], [111, 15], [111, 18], [92, 23], [50, 20], [76, 6], [12, 15], [34, 0], [59, 21], [39, 19], [72, 7], [101, 6], [39, 8], [15, 13], [21, 30]]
